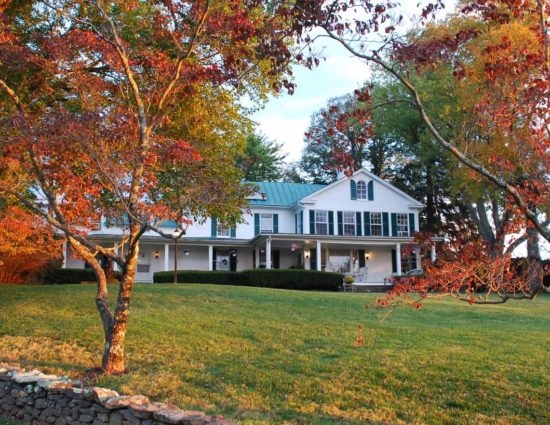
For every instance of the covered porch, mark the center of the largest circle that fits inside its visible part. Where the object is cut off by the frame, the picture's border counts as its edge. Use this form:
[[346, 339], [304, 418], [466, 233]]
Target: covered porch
[[370, 260]]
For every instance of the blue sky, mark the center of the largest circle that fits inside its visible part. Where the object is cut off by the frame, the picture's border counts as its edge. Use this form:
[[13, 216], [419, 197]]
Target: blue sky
[[286, 118]]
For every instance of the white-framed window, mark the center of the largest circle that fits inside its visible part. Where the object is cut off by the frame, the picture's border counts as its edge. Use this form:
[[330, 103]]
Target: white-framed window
[[361, 190], [402, 225], [223, 231], [321, 222], [299, 223], [349, 223], [376, 224], [266, 223]]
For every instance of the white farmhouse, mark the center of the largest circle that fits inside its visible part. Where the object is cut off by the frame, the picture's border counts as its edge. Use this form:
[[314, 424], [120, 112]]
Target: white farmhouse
[[356, 224]]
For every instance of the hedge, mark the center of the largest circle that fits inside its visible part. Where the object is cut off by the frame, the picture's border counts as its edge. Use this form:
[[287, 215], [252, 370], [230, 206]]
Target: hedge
[[198, 276], [274, 278], [71, 276], [67, 276]]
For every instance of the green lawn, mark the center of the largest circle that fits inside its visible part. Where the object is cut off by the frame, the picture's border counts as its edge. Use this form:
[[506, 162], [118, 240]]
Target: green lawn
[[262, 356]]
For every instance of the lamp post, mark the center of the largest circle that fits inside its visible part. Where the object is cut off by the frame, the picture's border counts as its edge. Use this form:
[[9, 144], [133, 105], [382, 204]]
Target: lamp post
[[177, 234]]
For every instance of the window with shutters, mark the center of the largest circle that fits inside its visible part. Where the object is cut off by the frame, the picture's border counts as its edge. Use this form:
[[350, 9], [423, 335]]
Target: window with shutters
[[321, 222], [361, 190], [349, 223], [375, 224], [266, 223], [223, 231], [402, 225]]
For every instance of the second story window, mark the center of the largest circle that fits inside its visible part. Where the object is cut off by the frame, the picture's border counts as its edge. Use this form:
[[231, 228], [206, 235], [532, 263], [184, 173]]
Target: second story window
[[223, 231], [321, 222], [349, 223], [376, 224], [361, 190], [266, 223], [402, 225]]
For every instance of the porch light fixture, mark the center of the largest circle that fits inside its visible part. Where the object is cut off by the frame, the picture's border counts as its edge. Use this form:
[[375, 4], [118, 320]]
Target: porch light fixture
[[306, 254], [186, 252], [157, 254], [262, 250], [293, 247], [367, 255], [233, 252]]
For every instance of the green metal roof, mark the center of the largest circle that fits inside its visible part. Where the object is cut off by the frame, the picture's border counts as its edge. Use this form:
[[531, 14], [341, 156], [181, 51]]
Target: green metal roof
[[282, 194]]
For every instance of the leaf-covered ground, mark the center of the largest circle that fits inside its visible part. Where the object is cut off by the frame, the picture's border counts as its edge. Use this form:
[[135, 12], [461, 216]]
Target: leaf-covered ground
[[262, 356]]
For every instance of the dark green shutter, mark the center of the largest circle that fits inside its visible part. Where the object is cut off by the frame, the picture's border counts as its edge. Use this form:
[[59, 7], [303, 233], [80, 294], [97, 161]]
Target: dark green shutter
[[311, 222], [234, 232], [393, 261], [256, 224], [385, 225], [353, 189], [275, 223], [412, 229], [361, 254], [340, 223], [367, 223], [370, 191], [394, 224], [214, 227], [331, 222], [253, 258], [214, 258], [302, 221], [358, 222], [295, 223]]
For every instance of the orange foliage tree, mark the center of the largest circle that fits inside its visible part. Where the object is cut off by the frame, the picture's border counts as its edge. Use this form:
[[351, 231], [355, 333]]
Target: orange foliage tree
[[131, 110], [27, 246]]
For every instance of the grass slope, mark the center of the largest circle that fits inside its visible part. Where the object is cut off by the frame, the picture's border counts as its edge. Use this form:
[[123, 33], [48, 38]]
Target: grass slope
[[262, 356]]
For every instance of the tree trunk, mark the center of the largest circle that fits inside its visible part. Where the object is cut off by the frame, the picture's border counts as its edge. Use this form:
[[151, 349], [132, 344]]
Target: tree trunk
[[113, 354], [533, 258]]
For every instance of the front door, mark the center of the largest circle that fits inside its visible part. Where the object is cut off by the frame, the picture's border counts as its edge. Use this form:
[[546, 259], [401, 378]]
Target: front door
[[233, 260]]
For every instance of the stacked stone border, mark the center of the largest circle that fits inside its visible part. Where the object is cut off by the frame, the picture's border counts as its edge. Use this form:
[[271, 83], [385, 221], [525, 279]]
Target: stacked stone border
[[39, 399]]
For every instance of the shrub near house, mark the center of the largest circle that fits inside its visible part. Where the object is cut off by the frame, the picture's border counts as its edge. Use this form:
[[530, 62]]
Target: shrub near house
[[282, 279]]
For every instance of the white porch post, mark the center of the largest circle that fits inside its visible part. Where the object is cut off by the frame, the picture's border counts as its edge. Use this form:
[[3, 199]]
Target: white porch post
[[434, 255], [319, 255], [257, 257], [166, 255], [116, 268], [418, 258], [268, 253], [210, 258], [398, 258], [65, 253]]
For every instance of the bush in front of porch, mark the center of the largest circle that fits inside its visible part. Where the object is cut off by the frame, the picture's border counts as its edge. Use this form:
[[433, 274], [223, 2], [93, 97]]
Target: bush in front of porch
[[275, 278]]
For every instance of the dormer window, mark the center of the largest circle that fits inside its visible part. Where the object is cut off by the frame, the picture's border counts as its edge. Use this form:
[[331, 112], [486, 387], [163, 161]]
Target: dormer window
[[361, 190]]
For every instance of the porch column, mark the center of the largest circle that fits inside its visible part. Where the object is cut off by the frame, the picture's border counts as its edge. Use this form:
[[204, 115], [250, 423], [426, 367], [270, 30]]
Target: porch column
[[418, 258], [65, 253], [434, 255], [398, 258], [116, 268], [210, 258], [319, 255], [166, 255], [268, 253], [257, 257]]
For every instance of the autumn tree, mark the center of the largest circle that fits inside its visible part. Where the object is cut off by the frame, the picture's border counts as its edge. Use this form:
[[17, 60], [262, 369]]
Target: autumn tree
[[512, 73], [27, 245], [128, 110], [499, 58]]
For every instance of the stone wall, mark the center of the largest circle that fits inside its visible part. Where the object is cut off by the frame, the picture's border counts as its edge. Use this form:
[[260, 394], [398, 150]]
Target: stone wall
[[36, 398]]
